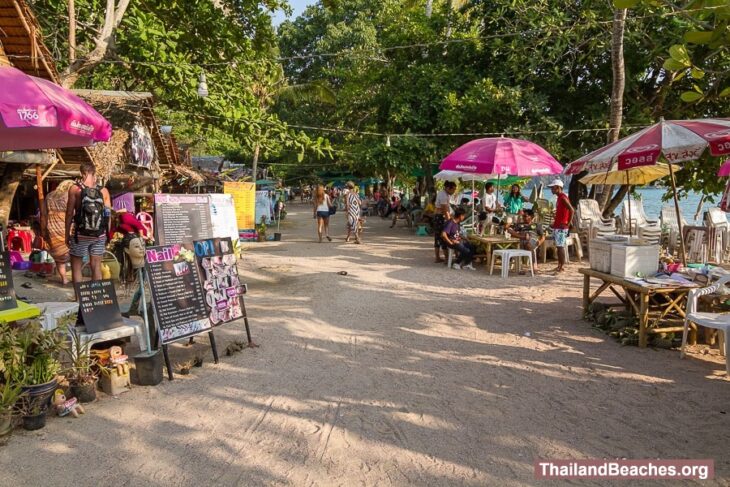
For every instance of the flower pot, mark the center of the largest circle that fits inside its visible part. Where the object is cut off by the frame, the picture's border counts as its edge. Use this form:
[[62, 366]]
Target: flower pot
[[35, 422], [84, 392], [39, 396], [6, 427], [40, 389]]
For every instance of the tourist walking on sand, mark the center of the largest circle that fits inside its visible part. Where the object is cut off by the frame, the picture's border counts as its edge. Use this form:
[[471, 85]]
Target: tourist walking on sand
[[442, 214], [352, 208], [561, 226], [322, 203], [87, 222]]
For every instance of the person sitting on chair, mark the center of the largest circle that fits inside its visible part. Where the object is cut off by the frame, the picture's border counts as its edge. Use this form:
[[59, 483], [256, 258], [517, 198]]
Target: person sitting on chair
[[530, 233], [451, 236]]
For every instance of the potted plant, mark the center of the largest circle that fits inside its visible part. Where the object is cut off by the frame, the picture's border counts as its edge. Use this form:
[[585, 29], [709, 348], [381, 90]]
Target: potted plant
[[81, 377], [9, 396], [30, 359]]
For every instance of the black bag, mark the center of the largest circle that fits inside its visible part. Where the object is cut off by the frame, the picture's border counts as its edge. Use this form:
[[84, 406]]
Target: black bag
[[333, 209], [91, 219]]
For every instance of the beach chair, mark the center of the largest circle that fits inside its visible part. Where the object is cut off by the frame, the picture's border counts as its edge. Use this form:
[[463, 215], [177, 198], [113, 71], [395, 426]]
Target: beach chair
[[590, 222], [696, 243], [640, 224], [670, 227], [716, 321], [718, 237]]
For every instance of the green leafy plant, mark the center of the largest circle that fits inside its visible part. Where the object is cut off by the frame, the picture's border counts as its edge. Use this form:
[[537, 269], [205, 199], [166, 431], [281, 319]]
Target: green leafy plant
[[30, 354], [81, 370], [9, 396]]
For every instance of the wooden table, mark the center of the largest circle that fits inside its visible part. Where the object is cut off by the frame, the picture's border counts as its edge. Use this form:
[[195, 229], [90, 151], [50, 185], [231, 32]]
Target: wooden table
[[497, 241], [660, 301]]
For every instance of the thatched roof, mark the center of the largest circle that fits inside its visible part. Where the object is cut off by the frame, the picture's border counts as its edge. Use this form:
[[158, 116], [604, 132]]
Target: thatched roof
[[125, 110], [21, 40]]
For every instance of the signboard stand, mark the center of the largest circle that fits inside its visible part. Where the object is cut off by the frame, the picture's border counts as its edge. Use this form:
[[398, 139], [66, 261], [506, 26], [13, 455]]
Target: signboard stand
[[177, 298], [223, 290], [147, 362]]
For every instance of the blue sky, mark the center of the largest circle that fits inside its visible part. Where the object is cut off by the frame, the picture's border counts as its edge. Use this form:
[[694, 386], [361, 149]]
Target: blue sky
[[297, 5]]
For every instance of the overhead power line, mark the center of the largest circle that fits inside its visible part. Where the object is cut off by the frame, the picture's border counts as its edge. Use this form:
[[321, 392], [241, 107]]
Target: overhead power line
[[350, 52]]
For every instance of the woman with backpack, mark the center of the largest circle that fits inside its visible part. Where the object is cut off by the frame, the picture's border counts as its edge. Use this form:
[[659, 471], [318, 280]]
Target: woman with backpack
[[87, 222]]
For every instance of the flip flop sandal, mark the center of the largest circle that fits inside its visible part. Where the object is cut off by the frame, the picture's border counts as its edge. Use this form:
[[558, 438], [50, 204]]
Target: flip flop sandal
[[342, 273], [27, 285]]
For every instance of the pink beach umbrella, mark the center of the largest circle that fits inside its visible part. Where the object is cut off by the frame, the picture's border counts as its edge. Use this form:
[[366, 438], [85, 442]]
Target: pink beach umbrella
[[502, 156], [38, 114]]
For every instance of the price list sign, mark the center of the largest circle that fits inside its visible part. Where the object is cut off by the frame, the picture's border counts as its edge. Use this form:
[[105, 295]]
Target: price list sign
[[98, 305], [182, 218], [177, 294], [7, 292]]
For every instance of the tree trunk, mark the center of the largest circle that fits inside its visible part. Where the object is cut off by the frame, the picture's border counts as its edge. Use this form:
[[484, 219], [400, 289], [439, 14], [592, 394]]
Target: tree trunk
[[256, 152], [577, 190], [12, 175], [429, 8], [428, 179], [617, 93], [71, 31], [616, 200], [102, 44]]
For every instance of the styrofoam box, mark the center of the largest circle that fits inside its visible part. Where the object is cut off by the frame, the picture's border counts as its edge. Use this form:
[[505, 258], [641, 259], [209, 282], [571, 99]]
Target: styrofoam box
[[599, 254], [629, 260]]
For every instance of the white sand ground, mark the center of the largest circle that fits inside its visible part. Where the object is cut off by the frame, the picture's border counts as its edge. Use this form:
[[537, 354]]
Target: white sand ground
[[400, 373]]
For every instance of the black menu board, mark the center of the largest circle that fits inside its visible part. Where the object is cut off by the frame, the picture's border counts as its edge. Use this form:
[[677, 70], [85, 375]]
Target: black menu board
[[98, 305], [7, 291], [182, 218], [222, 287], [177, 295]]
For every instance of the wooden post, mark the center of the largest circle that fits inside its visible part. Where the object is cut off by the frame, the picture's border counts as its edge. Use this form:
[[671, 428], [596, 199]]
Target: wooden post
[[679, 216], [71, 31], [41, 201], [643, 318], [586, 293]]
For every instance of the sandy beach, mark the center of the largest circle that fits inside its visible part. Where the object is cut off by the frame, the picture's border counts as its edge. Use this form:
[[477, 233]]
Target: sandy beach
[[401, 372]]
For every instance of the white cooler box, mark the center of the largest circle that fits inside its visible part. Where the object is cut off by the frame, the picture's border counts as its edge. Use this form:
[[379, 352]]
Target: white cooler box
[[599, 253], [629, 260]]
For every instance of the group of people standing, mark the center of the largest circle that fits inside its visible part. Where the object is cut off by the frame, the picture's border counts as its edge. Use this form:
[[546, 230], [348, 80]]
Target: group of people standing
[[518, 222], [325, 205]]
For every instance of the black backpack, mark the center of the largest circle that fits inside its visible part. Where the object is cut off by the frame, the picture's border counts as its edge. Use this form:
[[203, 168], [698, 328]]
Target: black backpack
[[91, 219]]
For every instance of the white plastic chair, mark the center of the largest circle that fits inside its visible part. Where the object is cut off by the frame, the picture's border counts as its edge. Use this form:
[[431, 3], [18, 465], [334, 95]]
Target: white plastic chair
[[716, 321], [590, 221], [718, 235], [639, 220], [670, 227]]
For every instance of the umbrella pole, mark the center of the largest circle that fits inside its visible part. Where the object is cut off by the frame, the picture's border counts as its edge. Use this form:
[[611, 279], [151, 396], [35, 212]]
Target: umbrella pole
[[473, 207], [628, 202], [679, 216]]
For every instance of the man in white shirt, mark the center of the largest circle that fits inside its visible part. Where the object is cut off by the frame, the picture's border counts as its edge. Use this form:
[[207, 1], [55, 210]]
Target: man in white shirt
[[490, 202]]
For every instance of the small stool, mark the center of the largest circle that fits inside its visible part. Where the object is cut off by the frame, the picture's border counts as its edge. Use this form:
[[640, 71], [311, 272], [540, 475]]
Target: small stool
[[421, 231]]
